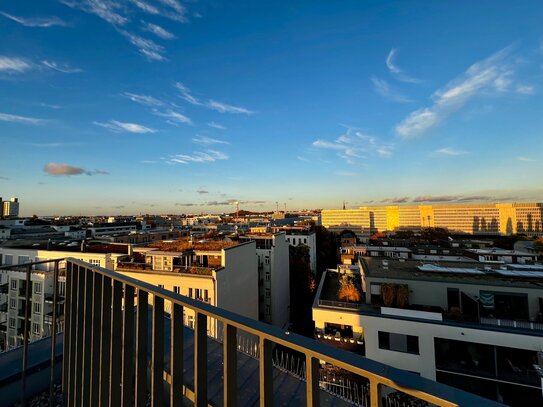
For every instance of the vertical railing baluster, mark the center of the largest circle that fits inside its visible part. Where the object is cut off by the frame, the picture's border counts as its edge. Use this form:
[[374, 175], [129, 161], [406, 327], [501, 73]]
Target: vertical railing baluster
[[374, 394], [157, 353], [176, 355], [53, 336], [87, 338], [96, 335], [312, 381], [73, 334], [266, 373], [128, 348], [28, 290], [230, 385], [66, 335], [141, 348], [105, 341], [116, 345], [200, 360], [81, 271]]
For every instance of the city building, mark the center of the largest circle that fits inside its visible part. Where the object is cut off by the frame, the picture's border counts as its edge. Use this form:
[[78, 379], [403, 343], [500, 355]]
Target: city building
[[301, 235], [272, 253], [10, 209], [491, 219], [472, 326]]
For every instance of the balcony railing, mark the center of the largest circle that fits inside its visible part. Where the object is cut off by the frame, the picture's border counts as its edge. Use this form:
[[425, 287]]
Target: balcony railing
[[510, 323], [340, 304], [106, 347]]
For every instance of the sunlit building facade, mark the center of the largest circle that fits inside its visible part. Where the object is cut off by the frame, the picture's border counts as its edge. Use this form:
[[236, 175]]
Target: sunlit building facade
[[496, 218]]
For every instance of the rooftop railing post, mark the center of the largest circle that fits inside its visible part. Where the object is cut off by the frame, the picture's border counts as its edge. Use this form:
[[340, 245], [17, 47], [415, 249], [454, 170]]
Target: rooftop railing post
[[53, 335], [78, 390], [72, 335], [105, 341], [157, 353], [87, 337], [375, 400], [176, 354], [141, 348], [96, 335], [116, 346], [312, 381], [67, 333], [200, 360], [266, 373], [230, 385], [26, 328], [128, 347]]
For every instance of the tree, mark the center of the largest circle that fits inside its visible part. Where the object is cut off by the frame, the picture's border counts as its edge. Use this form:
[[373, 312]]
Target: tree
[[348, 291], [302, 289]]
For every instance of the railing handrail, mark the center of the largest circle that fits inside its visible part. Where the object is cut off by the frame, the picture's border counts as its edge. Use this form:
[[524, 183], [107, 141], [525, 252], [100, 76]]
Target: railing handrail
[[377, 372]]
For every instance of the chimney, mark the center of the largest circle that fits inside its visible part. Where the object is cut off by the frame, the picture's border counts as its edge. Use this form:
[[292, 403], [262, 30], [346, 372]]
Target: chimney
[[83, 246]]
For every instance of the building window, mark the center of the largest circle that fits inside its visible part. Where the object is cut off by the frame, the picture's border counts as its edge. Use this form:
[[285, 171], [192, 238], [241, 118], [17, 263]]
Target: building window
[[37, 288], [198, 293], [12, 322], [61, 288], [268, 310], [13, 303], [13, 284], [176, 289], [161, 285], [37, 308], [36, 329], [190, 292], [94, 262], [267, 260], [23, 259], [206, 295], [268, 276], [268, 293], [399, 342], [8, 260]]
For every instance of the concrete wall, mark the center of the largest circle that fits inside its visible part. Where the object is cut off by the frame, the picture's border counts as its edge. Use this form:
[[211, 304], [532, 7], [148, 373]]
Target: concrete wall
[[280, 281]]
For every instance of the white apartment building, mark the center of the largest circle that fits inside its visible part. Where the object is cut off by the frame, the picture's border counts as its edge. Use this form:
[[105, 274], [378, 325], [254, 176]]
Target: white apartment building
[[223, 277], [5, 232], [298, 235], [274, 281], [10, 209], [475, 328]]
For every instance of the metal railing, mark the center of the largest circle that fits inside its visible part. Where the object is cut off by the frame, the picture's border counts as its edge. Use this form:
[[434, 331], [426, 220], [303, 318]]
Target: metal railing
[[511, 323], [340, 304], [105, 363]]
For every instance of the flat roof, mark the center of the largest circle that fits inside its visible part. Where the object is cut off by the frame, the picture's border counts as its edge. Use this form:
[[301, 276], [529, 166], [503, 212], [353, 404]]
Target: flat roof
[[450, 272], [499, 251]]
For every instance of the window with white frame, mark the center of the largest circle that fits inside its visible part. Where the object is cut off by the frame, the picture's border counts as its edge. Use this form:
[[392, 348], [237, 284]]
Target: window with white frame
[[13, 284], [37, 288], [37, 308], [94, 262], [13, 303], [36, 329], [176, 289], [12, 322]]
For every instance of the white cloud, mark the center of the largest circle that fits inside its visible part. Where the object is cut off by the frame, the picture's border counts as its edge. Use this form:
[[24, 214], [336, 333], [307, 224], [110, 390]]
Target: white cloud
[[383, 88], [119, 127], [216, 126], [208, 140], [525, 89], [173, 117], [5, 117], [10, 65], [396, 71], [143, 99], [42, 22], [105, 9], [491, 76], [146, 47], [198, 157], [345, 174], [225, 108], [186, 94], [354, 145], [60, 68], [527, 159], [177, 14], [158, 31], [449, 151]]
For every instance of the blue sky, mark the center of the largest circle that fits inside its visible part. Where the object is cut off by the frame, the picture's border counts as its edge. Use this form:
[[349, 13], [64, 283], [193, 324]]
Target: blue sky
[[164, 106]]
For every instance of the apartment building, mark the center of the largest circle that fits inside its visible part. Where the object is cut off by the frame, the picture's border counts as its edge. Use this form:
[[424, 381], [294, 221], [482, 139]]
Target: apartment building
[[495, 218], [10, 209], [301, 235], [221, 273], [273, 272], [471, 326]]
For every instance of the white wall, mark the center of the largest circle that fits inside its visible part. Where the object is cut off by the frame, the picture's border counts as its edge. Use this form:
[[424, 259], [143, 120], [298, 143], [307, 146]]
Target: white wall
[[280, 281]]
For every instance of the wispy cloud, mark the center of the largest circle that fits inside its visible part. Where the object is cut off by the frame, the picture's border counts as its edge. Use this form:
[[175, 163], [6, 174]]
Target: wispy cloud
[[60, 68], [5, 117], [525, 89], [396, 200], [59, 170], [449, 151], [146, 47], [198, 157], [226, 108], [527, 159], [383, 88], [187, 95], [13, 65], [173, 117], [301, 158], [346, 174], [396, 71], [143, 99], [491, 76], [42, 22], [354, 145], [216, 126], [202, 192], [50, 106], [4, 178], [157, 30], [119, 127], [174, 11], [452, 198], [105, 9], [208, 140]]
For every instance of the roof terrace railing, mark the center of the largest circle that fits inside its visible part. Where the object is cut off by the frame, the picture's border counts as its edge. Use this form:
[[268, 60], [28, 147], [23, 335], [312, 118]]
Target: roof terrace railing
[[104, 363]]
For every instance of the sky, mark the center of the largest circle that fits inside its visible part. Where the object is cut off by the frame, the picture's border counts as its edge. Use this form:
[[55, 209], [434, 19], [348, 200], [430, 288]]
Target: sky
[[171, 106]]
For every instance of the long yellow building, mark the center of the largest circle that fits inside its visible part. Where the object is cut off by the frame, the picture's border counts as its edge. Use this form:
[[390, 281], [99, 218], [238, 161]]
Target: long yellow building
[[493, 218]]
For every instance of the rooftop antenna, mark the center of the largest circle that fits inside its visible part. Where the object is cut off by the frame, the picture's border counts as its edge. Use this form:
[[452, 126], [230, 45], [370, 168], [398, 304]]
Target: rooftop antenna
[[237, 211], [277, 206], [343, 205]]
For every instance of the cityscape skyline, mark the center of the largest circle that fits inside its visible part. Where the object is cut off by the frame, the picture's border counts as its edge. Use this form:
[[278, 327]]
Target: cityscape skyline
[[120, 110]]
